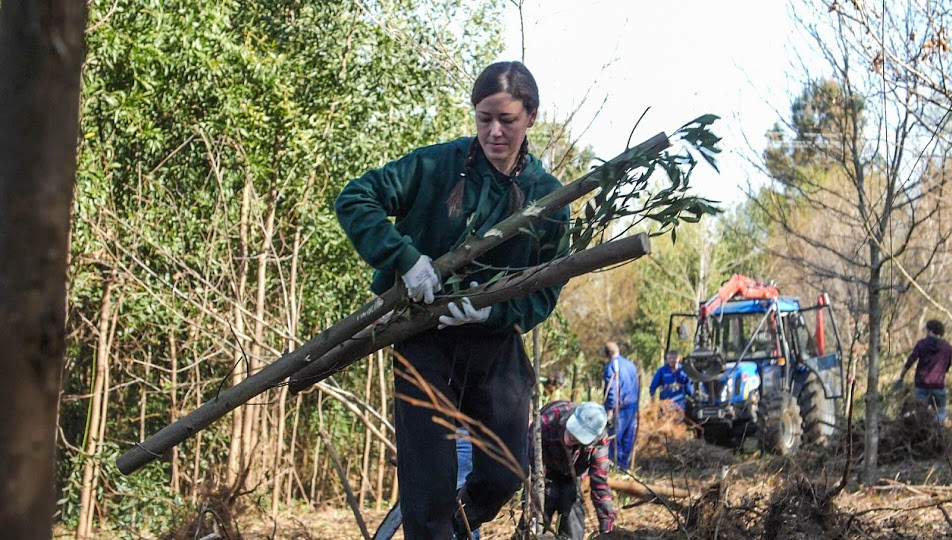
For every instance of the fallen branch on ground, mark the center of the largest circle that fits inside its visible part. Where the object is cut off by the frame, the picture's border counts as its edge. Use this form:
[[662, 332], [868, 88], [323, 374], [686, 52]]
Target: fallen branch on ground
[[647, 491]]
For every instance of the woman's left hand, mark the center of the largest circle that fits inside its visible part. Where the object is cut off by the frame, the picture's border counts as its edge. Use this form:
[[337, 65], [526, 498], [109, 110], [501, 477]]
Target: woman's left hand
[[465, 313]]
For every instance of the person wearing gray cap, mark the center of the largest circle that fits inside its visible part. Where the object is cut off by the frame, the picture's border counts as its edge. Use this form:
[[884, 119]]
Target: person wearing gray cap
[[574, 443]]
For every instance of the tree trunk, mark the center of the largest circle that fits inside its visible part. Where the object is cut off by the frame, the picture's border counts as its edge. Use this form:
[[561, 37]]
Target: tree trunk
[[537, 479], [292, 315], [277, 472], [871, 447], [291, 458], [365, 463], [381, 449], [237, 449], [144, 390], [83, 525], [173, 413], [41, 54], [255, 408], [103, 415], [315, 478], [519, 284], [196, 462]]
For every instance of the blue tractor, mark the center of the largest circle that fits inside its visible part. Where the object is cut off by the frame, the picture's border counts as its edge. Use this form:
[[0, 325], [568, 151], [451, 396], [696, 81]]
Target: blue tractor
[[761, 365]]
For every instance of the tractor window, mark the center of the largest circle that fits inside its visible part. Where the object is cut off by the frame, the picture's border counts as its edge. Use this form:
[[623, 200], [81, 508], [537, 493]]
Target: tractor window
[[682, 330], [735, 333], [805, 344], [819, 326]]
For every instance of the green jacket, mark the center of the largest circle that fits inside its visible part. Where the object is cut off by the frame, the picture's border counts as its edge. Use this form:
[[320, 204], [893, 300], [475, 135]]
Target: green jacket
[[414, 190]]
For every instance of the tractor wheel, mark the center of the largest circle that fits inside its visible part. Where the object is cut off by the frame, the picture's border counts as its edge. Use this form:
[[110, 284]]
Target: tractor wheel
[[779, 424], [818, 413]]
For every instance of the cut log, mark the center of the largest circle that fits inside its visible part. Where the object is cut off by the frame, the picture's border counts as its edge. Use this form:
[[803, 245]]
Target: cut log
[[512, 286], [647, 491]]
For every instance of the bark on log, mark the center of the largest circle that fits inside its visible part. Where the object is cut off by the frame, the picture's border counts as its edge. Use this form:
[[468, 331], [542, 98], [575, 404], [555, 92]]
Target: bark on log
[[647, 491], [173, 434]]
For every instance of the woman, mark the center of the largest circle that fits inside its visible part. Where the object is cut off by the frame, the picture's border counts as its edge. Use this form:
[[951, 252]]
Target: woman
[[439, 195]]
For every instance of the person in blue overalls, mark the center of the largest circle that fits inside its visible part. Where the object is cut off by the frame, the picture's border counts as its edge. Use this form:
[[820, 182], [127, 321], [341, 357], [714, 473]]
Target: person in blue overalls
[[672, 380], [621, 402]]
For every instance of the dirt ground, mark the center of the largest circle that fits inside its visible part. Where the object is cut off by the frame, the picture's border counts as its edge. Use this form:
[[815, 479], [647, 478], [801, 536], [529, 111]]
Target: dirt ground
[[736, 494]]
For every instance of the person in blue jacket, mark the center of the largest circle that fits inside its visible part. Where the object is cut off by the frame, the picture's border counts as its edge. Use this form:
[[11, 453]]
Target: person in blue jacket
[[410, 212], [621, 402], [672, 380]]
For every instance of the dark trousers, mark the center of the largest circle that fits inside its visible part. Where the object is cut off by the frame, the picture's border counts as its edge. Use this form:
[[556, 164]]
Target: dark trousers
[[489, 378], [562, 496]]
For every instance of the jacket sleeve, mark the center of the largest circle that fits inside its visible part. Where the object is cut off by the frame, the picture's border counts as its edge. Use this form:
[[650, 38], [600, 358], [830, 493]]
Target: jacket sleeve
[[610, 376], [528, 311], [655, 382], [600, 492], [365, 203], [913, 356]]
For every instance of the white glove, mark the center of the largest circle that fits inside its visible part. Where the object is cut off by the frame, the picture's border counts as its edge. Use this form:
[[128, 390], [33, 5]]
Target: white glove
[[421, 280], [467, 315]]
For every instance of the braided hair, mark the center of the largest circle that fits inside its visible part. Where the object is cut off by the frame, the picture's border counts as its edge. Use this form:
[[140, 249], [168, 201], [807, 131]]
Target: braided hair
[[516, 80]]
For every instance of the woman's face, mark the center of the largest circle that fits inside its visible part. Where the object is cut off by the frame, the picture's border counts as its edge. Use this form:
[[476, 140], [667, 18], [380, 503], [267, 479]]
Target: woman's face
[[501, 124]]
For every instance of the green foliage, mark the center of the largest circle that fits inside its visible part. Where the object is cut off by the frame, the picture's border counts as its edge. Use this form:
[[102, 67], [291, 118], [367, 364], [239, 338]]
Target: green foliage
[[628, 194], [189, 107], [200, 121], [800, 154], [132, 505], [560, 344]]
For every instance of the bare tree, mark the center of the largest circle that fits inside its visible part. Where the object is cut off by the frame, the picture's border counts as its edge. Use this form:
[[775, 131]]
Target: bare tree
[[41, 54], [857, 172]]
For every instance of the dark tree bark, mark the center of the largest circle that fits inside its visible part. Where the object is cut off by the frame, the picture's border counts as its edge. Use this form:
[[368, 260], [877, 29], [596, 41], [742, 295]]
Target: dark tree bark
[[41, 53]]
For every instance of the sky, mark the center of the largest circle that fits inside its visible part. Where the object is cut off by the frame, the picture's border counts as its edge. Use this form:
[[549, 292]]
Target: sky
[[680, 58]]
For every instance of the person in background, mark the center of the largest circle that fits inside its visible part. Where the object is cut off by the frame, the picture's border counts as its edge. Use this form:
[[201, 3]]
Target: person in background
[[934, 356], [552, 388], [464, 462], [672, 380], [574, 444], [621, 401], [437, 197]]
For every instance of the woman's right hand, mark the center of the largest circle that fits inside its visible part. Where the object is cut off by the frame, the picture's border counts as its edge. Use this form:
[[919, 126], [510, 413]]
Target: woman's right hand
[[421, 280]]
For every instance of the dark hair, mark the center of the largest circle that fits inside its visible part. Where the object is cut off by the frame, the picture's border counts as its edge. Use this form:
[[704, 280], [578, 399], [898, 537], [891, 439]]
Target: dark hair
[[515, 79], [936, 327], [672, 351]]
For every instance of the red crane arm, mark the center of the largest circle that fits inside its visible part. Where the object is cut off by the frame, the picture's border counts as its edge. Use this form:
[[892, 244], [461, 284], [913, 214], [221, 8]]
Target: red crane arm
[[737, 285]]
